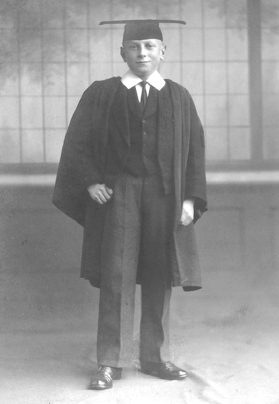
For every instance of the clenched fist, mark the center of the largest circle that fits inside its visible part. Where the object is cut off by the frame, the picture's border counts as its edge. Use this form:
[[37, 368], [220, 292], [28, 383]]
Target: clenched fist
[[187, 215]]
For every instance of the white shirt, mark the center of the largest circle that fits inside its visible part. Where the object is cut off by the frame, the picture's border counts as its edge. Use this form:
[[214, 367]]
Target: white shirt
[[130, 80]]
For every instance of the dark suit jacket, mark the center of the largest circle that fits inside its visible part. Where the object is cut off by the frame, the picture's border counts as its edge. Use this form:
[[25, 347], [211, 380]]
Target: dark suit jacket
[[119, 145], [83, 163]]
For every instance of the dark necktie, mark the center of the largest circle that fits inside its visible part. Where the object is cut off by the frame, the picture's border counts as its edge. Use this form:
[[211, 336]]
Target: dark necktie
[[143, 94]]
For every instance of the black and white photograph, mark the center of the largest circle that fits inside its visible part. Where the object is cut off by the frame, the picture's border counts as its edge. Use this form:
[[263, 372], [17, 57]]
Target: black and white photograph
[[139, 201]]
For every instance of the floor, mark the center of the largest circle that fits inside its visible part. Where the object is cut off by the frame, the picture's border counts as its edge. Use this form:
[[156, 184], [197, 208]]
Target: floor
[[228, 343]]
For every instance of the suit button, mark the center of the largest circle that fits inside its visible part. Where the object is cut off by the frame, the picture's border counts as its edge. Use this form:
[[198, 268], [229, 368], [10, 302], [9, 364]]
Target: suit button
[[144, 133], [143, 121]]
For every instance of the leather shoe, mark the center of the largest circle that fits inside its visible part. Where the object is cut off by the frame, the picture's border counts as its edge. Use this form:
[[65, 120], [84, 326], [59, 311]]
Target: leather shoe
[[104, 377], [165, 370]]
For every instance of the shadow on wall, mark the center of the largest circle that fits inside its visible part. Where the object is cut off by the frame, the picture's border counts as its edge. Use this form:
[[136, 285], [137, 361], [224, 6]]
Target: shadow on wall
[[26, 24]]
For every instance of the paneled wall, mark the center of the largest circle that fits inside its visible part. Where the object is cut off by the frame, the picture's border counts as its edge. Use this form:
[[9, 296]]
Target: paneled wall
[[52, 50], [40, 253]]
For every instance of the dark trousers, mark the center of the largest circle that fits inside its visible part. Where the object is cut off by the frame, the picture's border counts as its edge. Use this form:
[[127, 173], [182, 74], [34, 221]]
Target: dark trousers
[[137, 234]]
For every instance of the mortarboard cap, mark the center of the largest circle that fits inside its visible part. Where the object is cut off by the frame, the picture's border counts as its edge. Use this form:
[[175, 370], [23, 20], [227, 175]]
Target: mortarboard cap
[[142, 29]]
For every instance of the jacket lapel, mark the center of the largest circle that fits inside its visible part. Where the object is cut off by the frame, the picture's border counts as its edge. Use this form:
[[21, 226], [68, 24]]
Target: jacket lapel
[[119, 110], [133, 102], [151, 104]]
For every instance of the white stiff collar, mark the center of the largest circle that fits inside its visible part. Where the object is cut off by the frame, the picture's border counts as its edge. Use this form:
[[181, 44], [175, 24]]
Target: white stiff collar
[[130, 80]]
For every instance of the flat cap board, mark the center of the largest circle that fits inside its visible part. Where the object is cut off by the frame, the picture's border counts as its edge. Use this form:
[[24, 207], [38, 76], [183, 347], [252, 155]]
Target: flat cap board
[[142, 29]]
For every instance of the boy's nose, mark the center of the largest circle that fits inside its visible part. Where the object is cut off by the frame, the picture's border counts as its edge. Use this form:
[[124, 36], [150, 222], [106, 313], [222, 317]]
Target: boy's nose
[[142, 51]]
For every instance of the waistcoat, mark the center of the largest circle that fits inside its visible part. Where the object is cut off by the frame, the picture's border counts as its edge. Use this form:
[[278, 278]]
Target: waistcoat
[[159, 114], [143, 156]]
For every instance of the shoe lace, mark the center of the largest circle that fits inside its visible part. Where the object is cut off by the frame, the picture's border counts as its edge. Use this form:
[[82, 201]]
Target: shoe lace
[[169, 365], [105, 372]]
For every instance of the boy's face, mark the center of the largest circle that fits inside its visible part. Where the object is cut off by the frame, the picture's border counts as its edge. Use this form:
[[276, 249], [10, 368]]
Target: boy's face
[[143, 56]]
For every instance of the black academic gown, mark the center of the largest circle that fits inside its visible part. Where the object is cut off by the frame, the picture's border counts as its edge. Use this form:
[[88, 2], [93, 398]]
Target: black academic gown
[[82, 163]]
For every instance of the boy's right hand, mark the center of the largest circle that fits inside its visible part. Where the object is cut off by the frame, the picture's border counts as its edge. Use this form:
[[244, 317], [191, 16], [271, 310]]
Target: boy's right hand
[[100, 193]]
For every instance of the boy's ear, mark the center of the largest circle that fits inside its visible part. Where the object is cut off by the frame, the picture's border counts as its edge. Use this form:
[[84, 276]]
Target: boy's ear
[[122, 53], [163, 52]]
